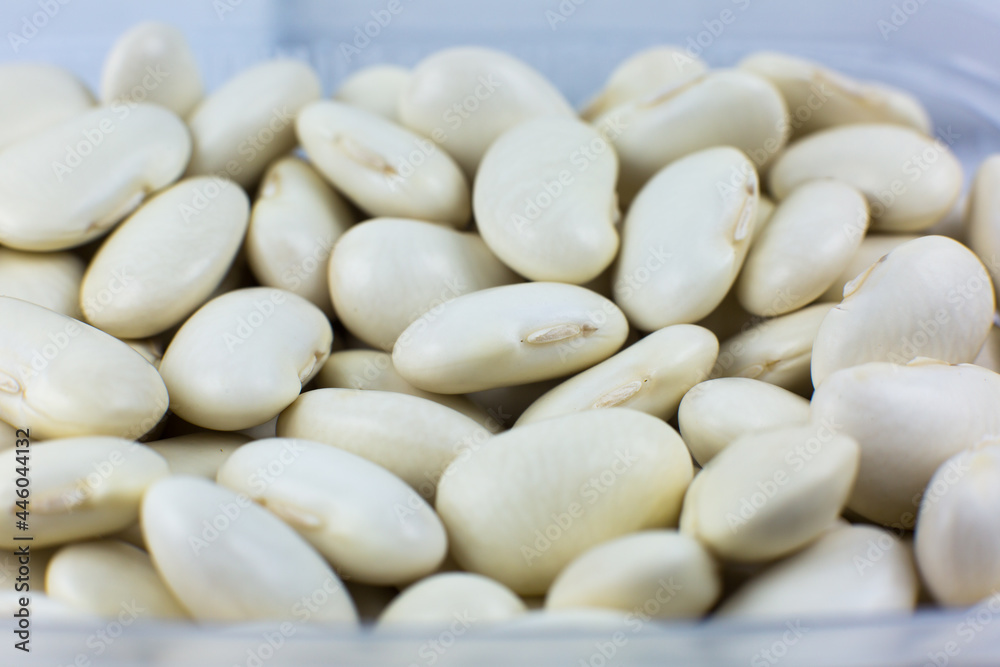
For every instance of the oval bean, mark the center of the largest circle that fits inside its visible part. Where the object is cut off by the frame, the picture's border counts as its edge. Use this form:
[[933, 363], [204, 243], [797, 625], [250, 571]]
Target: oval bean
[[508, 335]]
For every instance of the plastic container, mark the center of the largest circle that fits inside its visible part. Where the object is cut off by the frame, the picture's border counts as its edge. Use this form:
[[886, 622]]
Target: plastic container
[[947, 52]]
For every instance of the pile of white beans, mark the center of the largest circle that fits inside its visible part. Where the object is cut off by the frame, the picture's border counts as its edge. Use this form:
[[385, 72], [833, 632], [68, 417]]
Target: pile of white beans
[[528, 419]]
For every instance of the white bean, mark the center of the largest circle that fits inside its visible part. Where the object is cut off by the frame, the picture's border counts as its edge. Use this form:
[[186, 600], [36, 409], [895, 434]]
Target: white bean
[[685, 238], [810, 238], [643, 74], [849, 572], [385, 273], [771, 493], [777, 350], [521, 508], [508, 335], [197, 532], [296, 220], [660, 573], [819, 97], [545, 201], [441, 598], [107, 577], [71, 183], [247, 123], [38, 97], [910, 180], [63, 378], [80, 488], [382, 167], [363, 519], [417, 444], [651, 375], [152, 62], [51, 279], [908, 420], [930, 297], [464, 98], [958, 547], [376, 88], [244, 357], [164, 261], [718, 412], [692, 115]]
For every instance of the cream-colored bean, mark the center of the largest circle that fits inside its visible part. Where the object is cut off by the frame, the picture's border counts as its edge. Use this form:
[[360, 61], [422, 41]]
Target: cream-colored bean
[[244, 357], [38, 96], [545, 201], [416, 444], [848, 572], [777, 350], [911, 181], [908, 421], [295, 222], [62, 378], [384, 168], [152, 62], [685, 238], [385, 273], [197, 531], [508, 335], [376, 88], [694, 114], [627, 572], [819, 97], [930, 297], [771, 493], [373, 370], [958, 547], [983, 215], [249, 122], [100, 577], [198, 454], [989, 354], [463, 98], [718, 412], [71, 183], [363, 519], [520, 509], [438, 599], [80, 488], [49, 279], [643, 74], [163, 262], [650, 376], [810, 238], [873, 247]]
